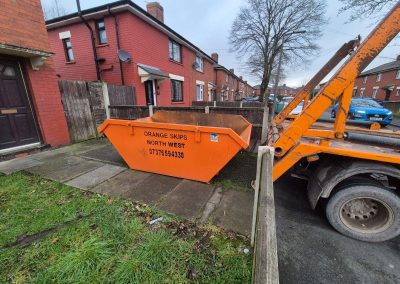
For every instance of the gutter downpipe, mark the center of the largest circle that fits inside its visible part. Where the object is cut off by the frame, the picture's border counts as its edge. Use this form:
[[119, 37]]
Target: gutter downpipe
[[118, 44], [78, 4]]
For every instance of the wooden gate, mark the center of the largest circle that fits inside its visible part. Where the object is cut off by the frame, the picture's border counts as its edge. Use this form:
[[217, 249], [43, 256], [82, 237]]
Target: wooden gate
[[78, 111]]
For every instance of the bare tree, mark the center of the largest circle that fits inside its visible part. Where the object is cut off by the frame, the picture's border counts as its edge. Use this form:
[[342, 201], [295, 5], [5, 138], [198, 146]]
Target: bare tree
[[264, 29], [362, 8], [53, 10]]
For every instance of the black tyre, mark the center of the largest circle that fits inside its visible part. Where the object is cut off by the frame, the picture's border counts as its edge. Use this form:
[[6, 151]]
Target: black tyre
[[333, 114], [366, 212]]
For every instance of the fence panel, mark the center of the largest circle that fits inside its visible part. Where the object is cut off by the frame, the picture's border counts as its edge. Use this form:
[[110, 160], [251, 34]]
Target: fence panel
[[121, 95], [77, 107], [393, 106]]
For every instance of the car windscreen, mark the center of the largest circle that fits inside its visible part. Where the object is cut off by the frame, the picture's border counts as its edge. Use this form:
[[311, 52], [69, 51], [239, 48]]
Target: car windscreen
[[365, 103]]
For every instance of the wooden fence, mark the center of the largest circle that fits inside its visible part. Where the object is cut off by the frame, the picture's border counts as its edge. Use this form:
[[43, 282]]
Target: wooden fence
[[228, 104], [86, 105], [393, 106], [263, 233]]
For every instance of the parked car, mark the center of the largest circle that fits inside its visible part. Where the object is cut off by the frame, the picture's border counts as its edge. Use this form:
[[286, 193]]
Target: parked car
[[367, 110], [251, 99], [299, 108]]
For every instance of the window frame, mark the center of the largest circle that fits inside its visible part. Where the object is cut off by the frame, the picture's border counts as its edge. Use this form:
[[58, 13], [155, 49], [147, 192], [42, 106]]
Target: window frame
[[398, 92], [199, 62], [201, 92], [171, 45], [365, 80], [362, 91], [173, 91], [101, 29], [67, 49], [378, 77], [375, 92], [355, 90], [398, 74]]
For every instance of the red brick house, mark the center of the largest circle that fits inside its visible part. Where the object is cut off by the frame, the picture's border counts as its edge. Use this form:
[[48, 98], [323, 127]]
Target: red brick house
[[230, 87], [164, 67], [381, 83], [31, 113]]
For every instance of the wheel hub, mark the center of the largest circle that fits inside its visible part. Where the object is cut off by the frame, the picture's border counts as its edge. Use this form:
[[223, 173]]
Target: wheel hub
[[361, 209]]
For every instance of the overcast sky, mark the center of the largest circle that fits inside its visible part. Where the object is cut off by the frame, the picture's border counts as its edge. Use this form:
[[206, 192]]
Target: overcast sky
[[206, 23]]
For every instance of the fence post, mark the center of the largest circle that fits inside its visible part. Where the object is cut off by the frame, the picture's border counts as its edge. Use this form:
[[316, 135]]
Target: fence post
[[265, 125], [241, 104], [106, 99], [215, 103], [207, 109], [151, 110], [263, 235]]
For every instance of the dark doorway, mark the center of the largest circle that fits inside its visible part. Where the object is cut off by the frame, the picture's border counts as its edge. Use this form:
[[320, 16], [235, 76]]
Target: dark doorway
[[388, 94], [148, 85], [17, 124]]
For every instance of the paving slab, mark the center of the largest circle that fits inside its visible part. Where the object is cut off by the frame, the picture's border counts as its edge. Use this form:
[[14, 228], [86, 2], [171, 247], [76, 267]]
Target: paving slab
[[187, 200], [64, 169], [107, 154], [121, 183], [95, 177], [152, 189], [50, 155], [235, 212], [19, 164]]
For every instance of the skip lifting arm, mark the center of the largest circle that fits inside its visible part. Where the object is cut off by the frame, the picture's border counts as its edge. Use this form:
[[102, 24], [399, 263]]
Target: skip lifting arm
[[340, 86]]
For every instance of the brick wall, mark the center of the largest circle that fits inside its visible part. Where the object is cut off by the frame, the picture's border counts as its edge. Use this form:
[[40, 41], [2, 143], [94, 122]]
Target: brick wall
[[22, 24], [387, 79], [47, 103], [146, 44]]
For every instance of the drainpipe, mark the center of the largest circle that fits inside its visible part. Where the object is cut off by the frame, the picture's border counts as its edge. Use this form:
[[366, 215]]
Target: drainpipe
[[118, 44], [96, 62]]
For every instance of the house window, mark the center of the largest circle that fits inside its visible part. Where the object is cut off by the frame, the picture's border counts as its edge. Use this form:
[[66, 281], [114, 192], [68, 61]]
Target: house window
[[365, 79], [379, 77], [354, 91], [176, 91], [398, 92], [175, 51], [101, 32], [398, 74], [69, 54], [375, 92], [200, 91], [199, 63], [362, 92]]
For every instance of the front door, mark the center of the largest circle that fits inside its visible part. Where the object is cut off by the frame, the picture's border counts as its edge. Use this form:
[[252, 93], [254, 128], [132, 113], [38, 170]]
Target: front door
[[149, 89], [17, 124]]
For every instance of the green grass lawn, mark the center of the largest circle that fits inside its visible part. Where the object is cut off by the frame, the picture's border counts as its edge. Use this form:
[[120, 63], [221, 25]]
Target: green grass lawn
[[52, 233]]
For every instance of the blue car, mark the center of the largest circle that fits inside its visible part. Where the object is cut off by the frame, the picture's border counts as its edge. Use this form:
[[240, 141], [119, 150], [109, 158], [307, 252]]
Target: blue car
[[367, 110]]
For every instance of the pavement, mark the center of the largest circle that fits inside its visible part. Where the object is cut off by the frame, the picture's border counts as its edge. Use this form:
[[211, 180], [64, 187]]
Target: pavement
[[309, 250]]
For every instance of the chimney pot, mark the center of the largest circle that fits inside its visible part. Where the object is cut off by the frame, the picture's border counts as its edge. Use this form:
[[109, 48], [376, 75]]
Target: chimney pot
[[398, 58], [232, 70], [156, 10], [214, 56]]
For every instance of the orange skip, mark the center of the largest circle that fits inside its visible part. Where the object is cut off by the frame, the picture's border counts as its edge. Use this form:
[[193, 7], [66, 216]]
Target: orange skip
[[187, 145]]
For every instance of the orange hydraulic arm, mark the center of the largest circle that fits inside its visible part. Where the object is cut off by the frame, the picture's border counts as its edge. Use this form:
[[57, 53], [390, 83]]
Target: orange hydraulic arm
[[305, 92], [289, 144], [344, 79]]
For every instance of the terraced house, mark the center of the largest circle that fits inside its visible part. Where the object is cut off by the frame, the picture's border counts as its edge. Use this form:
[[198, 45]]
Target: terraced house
[[120, 43], [381, 83]]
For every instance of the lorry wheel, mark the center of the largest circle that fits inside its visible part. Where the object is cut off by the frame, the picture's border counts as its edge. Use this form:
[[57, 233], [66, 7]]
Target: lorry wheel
[[366, 212]]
